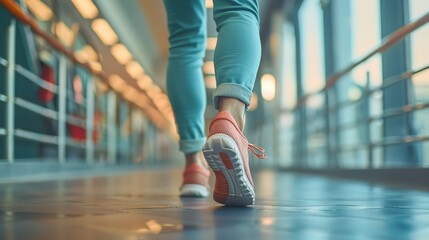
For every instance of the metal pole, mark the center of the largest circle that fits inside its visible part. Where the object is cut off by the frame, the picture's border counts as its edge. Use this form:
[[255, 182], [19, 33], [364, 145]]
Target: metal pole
[[90, 121], [328, 145], [62, 91], [111, 127], [10, 91], [367, 125]]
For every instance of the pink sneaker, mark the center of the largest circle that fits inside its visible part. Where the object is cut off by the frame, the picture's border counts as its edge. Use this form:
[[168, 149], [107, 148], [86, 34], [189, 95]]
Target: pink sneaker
[[195, 181], [227, 155]]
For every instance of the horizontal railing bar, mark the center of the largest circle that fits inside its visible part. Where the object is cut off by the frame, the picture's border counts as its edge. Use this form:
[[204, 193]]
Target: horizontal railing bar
[[76, 121], [400, 140], [398, 78], [70, 142], [3, 62], [70, 96], [16, 11], [405, 109], [3, 98], [387, 83], [315, 131], [36, 79], [37, 137], [384, 142], [351, 148], [387, 43], [36, 108], [100, 147], [387, 113], [366, 94], [46, 85], [2, 131]]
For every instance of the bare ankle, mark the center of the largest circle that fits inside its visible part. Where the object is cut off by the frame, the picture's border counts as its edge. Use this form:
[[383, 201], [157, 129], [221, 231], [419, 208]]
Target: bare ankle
[[236, 108], [195, 157]]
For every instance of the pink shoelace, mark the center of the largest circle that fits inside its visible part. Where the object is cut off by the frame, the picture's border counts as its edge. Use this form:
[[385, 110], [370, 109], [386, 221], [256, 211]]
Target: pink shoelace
[[257, 150]]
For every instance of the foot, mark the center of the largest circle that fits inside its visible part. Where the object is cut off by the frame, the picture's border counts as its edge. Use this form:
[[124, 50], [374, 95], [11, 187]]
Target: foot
[[195, 181], [226, 152]]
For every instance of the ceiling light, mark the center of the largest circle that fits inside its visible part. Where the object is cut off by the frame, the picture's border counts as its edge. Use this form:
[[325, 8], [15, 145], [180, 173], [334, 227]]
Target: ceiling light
[[134, 69], [268, 87], [130, 94], [209, 3], [64, 33], [253, 102], [86, 8], [121, 53], [96, 66], [104, 31], [39, 9], [153, 91], [211, 43], [209, 68], [144, 82], [87, 53], [117, 83], [210, 82]]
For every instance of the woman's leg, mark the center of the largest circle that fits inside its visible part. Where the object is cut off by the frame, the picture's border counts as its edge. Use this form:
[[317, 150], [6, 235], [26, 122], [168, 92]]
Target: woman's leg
[[186, 90], [185, 84], [237, 55], [236, 60]]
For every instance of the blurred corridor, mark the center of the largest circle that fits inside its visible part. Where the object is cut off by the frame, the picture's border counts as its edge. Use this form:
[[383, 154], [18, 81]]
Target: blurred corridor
[[89, 145]]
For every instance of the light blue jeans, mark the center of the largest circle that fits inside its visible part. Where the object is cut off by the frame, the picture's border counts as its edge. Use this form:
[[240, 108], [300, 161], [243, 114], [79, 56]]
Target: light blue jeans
[[236, 60]]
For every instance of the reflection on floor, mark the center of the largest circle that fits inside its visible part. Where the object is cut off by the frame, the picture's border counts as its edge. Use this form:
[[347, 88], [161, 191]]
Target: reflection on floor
[[145, 205]]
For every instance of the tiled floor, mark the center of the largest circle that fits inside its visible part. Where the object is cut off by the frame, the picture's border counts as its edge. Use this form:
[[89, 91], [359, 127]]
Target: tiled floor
[[145, 205]]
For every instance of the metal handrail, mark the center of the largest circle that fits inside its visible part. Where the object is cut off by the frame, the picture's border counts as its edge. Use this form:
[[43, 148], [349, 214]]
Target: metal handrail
[[36, 108], [16, 11], [38, 137], [388, 42], [386, 142], [75, 120], [36, 79], [387, 82], [3, 62]]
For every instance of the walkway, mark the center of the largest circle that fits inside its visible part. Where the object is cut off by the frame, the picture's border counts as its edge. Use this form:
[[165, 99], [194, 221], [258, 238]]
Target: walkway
[[144, 205]]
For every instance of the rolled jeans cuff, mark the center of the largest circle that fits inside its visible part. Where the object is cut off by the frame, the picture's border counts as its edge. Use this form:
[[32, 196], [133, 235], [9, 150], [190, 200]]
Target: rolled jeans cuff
[[193, 145], [231, 90]]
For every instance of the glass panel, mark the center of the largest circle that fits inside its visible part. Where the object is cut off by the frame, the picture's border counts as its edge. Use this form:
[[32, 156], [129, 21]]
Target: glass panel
[[419, 52], [312, 45], [288, 96]]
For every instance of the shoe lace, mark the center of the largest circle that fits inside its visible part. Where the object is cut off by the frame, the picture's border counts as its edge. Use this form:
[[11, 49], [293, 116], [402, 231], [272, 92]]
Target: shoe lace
[[257, 150]]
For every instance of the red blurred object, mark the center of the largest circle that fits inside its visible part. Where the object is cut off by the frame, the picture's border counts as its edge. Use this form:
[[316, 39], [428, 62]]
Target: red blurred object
[[78, 133], [47, 75]]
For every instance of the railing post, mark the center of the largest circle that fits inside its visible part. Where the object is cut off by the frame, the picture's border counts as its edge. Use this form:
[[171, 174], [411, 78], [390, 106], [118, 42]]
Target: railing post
[[327, 114], [62, 91], [111, 127], [10, 91], [367, 105], [90, 121]]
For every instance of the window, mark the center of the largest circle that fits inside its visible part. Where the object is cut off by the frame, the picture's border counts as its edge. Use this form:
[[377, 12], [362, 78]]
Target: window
[[419, 52], [312, 46]]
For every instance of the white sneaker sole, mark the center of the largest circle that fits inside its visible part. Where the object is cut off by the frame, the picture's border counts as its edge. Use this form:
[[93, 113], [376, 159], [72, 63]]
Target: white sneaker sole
[[194, 190], [240, 190]]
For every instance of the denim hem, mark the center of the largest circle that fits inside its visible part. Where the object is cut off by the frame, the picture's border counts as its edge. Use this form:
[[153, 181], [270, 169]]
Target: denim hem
[[232, 90], [192, 145]]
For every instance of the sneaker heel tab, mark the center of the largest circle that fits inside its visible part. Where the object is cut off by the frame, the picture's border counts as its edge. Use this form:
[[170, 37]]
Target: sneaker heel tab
[[223, 115]]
